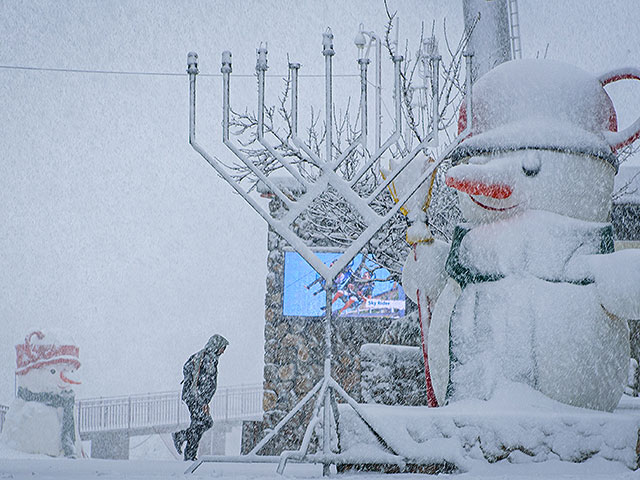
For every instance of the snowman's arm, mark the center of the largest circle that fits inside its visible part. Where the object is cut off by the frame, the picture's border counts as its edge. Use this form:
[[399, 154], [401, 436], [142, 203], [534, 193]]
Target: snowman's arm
[[617, 279], [424, 270]]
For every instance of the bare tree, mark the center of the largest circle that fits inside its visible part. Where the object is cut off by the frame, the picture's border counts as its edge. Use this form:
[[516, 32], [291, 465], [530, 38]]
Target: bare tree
[[628, 187], [331, 220]]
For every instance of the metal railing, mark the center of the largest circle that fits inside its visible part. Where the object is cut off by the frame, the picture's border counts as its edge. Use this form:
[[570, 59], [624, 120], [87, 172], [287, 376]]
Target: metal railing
[[160, 412], [3, 412]]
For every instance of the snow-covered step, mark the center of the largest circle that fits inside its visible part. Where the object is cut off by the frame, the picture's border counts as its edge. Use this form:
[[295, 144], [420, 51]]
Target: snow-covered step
[[518, 425]]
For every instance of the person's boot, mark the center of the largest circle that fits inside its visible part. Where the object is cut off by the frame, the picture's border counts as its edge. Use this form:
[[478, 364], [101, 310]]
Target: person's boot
[[190, 450], [177, 441]]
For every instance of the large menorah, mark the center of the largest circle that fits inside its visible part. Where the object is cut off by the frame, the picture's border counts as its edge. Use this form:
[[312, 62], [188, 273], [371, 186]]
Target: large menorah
[[310, 188]]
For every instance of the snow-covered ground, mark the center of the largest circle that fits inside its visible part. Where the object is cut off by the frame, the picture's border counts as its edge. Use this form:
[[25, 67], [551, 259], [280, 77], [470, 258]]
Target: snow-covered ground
[[153, 457], [37, 468]]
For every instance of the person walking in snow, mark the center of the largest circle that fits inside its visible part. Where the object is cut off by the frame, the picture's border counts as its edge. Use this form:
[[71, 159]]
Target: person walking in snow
[[198, 386]]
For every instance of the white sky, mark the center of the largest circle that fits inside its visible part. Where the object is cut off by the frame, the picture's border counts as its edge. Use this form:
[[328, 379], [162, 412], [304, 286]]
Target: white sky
[[112, 228]]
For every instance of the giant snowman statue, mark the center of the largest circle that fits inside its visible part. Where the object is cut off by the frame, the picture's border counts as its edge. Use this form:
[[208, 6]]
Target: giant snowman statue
[[41, 419], [530, 289]]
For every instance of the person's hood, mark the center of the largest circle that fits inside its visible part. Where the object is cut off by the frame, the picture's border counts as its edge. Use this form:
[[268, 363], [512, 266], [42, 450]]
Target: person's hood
[[215, 343]]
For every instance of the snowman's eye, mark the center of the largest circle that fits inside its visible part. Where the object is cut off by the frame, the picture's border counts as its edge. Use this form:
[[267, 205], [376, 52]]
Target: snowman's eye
[[53, 370]]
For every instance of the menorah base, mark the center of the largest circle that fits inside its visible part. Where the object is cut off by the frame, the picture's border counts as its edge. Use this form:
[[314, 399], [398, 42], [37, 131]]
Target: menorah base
[[324, 400]]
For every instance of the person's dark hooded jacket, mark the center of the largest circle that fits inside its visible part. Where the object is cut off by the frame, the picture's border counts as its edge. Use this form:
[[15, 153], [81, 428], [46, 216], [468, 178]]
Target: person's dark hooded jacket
[[201, 372]]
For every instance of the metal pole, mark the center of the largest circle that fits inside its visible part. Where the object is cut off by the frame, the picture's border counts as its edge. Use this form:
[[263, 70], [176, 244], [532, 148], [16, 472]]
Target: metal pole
[[192, 70], [294, 67], [394, 136], [435, 94], [468, 56], [378, 92], [225, 70], [80, 415], [364, 63], [326, 420], [397, 59], [328, 52], [261, 67]]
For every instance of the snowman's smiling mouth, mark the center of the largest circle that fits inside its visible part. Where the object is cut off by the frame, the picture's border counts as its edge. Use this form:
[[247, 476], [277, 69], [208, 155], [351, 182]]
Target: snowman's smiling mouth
[[493, 209], [65, 379]]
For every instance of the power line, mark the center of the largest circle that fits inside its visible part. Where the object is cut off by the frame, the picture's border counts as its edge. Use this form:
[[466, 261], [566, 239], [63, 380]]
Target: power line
[[152, 74], [75, 70]]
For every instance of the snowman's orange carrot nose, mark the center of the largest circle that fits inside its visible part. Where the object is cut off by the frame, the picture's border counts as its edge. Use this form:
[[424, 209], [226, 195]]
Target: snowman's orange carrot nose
[[68, 380], [475, 187]]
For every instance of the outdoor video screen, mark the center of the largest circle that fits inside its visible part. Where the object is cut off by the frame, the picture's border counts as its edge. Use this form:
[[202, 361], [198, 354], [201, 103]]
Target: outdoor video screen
[[360, 290]]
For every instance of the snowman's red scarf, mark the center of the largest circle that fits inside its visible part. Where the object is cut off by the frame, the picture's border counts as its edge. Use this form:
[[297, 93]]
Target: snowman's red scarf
[[64, 400]]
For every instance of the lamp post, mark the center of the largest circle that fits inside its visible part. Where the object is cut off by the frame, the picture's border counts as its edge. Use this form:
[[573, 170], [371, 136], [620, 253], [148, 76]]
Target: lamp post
[[367, 39]]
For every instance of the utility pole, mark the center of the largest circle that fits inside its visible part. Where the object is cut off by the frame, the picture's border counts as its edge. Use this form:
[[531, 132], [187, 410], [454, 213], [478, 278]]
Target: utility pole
[[490, 40]]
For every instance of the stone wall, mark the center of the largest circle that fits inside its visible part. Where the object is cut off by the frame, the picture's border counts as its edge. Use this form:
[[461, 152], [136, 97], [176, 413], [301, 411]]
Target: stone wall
[[392, 375]]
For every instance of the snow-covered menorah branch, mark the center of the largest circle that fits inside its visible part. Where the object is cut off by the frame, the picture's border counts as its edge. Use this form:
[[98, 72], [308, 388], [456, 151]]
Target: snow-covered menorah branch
[[308, 191], [327, 166]]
